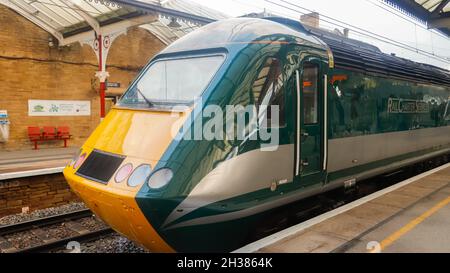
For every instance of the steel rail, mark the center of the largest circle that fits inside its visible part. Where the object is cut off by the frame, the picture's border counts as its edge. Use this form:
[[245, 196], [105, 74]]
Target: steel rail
[[62, 243], [46, 221]]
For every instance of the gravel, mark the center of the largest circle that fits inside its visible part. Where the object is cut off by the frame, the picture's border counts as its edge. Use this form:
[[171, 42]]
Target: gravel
[[23, 240], [22, 217], [58, 232], [92, 223], [110, 244]]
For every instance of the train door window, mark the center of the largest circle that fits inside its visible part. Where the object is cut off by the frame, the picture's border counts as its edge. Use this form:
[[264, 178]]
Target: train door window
[[310, 93], [268, 90]]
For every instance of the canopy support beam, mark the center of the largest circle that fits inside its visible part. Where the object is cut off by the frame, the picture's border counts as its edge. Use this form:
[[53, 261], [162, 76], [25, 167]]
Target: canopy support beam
[[440, 7]]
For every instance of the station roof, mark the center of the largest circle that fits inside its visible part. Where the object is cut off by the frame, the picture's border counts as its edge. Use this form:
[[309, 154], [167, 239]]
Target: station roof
[[163, 28], [67, 19], [436, 13]]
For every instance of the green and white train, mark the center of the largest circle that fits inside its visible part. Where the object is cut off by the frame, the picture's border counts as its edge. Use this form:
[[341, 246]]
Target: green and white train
[[347, 112]]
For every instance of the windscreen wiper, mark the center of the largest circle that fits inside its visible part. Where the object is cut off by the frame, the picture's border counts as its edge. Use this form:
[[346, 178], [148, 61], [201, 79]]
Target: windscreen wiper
[[150, 104]]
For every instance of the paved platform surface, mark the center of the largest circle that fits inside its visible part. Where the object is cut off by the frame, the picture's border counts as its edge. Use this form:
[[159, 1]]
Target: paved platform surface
[[412, 216], [31, 160]]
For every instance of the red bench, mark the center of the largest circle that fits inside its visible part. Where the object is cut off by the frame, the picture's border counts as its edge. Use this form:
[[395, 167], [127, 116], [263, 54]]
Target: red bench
[[63, 133], [35, 134]]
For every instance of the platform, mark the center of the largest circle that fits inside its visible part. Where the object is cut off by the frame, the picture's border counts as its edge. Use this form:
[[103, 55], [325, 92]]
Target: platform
[[411, 216], [34, 162]]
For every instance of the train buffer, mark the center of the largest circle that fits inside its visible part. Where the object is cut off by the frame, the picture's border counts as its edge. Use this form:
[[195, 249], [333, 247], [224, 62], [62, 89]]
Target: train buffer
[[411, 216]]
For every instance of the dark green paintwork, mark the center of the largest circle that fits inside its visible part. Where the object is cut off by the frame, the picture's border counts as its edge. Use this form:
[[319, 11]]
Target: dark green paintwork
[[360, 109]]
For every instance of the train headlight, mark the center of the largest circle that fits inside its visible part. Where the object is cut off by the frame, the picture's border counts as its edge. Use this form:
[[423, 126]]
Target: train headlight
[[140, 175], [123, 172], [160, 178]]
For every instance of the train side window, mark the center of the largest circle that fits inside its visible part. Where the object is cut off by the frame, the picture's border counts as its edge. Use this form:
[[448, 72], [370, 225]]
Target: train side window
[[447, 112], [268, 90], [310, 93]]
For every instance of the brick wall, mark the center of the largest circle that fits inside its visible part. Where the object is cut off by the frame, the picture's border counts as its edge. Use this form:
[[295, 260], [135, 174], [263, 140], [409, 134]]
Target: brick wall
[[35, 192], [30, 69]]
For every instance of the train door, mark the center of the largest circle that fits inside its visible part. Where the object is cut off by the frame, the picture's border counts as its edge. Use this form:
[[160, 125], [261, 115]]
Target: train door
[[310, 129]]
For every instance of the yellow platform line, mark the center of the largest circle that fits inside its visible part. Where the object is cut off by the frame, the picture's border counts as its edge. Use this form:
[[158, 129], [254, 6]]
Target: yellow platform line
[[411, 225]]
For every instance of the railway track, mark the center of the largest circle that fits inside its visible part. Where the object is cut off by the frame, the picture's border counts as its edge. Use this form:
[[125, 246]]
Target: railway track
[[37, 228], [62, 243]]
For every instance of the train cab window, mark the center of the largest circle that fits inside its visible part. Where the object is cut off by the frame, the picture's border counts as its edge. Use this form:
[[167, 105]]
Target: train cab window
[[268, 90], [174, 81], [310, 93]]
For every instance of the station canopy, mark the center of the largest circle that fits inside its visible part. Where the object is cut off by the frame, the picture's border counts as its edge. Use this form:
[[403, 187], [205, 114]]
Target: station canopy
[[73, 20], [435, 13]]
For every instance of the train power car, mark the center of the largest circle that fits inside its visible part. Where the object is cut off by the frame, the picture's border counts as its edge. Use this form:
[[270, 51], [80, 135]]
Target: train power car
[[347, 112]]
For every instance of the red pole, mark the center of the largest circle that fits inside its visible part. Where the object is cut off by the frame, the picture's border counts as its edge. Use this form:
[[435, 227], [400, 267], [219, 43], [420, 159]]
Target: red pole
[[102, 99], [102, 83]]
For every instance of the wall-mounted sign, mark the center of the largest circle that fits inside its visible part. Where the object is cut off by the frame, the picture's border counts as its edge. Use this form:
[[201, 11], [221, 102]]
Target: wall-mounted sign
[[3, 114], [113, 84], [4, 126], [59, 108]]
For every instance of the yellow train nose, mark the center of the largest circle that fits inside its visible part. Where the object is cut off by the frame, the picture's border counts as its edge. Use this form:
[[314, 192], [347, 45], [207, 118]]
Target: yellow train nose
[[141, 137], [118, 208]]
